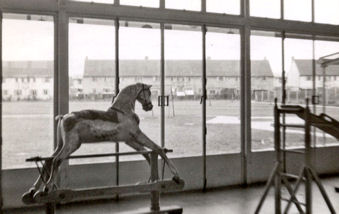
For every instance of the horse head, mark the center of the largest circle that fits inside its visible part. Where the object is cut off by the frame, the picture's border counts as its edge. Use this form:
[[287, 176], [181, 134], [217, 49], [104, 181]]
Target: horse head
[[144, 96]]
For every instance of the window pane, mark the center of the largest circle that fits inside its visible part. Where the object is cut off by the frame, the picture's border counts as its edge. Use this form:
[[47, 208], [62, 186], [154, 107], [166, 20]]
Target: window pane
[[223, 90], [229, 7], [183, 54], [331, 89], [298, 64], [91, 73], [265, 86], [304, 8], [326, 11], [183, 4], [140, 62], [144, 3], [28, 76], [97, 1], [265, 8]]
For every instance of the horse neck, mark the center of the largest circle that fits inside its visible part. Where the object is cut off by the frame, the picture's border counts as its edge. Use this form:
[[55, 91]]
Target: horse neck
[[124, 102]]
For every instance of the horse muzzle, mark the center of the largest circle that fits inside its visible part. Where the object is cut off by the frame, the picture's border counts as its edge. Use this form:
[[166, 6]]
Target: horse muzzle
[[147, 106]]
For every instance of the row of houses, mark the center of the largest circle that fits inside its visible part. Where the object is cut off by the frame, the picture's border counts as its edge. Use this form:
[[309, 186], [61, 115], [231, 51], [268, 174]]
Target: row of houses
[[33, 80]]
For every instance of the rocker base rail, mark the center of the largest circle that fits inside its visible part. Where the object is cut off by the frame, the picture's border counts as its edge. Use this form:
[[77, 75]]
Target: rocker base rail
[[68, 195]]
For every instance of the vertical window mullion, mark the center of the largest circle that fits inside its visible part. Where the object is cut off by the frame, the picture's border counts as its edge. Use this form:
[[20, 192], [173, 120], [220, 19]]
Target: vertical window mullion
[[204, 97], [117, 87]]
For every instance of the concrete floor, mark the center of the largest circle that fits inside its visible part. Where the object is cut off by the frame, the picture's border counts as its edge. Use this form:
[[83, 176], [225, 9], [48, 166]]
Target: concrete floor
[[229, 200]]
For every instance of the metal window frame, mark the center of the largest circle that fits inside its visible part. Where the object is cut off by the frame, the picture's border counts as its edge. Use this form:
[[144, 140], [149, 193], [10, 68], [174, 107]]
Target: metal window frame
[[63, 9]]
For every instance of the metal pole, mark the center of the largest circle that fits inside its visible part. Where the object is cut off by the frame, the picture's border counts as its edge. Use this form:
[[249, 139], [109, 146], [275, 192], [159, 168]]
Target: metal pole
[[162, 90], [278, 158], [308, 182], [204, 96], [1, 199], [324, 97], [283, 98], [155, 195], [117, 82]]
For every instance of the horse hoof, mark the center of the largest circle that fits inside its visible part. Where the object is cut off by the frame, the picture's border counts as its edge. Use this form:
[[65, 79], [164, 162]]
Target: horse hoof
[[28, 197], [45, 189], [176, 179]]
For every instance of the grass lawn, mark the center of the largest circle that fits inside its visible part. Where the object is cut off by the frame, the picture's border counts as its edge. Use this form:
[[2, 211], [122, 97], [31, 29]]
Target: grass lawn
[[28, 129]]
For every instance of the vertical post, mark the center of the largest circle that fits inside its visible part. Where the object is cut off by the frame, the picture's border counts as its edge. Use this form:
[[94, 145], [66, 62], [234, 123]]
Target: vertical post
[[204, 97], [308, 182], [50, 208], [278, 157], [245, 102], [155, 195], [62, 74], [324, 96], [1, 199], [117, 82], [162, 89], [162, 82], [283, 98]]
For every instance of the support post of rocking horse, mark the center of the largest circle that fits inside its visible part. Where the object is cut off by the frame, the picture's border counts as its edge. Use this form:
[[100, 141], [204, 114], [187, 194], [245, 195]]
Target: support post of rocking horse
[[155, 195]]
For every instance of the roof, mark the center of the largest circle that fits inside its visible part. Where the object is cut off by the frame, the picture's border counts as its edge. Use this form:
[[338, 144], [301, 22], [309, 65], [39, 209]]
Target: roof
[[27, 69], [305, 68], [97, 68]]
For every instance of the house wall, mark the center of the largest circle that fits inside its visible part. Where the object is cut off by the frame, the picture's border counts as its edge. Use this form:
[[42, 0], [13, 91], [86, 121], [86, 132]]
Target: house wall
[[292, 81]]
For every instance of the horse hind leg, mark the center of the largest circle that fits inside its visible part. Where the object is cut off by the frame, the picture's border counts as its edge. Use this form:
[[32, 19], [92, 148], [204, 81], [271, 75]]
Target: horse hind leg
[[71, 144], [27, 197]]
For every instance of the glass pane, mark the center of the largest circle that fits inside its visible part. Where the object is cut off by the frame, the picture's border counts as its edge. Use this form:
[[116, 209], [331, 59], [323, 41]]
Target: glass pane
[[298, 64], [183, 68], [265, 86], [28, 77], [96, 1], [144, 3], [326, 11], [223, 90], [140, 62], [265, 8], [91, 73], [229, 7], [183, 4], [304, 10], [327, 87]]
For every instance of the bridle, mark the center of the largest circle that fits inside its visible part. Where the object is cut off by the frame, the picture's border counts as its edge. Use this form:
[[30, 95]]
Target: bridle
[[147, 103]]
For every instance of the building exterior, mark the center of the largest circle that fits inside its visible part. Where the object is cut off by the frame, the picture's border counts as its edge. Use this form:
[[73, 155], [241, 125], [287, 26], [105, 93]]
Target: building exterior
[[33, 80], [299, 80], [27, 80], [182, 77]]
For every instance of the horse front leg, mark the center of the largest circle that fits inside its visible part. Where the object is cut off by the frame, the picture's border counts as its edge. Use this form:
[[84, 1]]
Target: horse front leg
[[142, 139]]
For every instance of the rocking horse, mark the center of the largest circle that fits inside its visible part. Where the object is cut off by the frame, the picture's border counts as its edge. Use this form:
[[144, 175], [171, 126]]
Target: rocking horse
[[119, 123]]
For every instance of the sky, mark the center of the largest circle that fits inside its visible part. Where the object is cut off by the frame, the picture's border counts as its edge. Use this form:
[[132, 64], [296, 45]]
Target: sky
[[33, 40]]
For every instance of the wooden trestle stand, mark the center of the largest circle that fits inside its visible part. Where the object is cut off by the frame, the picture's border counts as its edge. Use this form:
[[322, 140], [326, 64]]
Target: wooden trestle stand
[[279, 177], [154, 187]]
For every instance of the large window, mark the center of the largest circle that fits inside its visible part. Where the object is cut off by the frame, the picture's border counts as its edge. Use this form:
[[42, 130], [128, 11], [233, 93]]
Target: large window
[[140, 62], [91, 72], [183, 70], [265, 86], [183, 4], [326, 11], [327, 86], [304, 13], [28, 74], [298, 64], [265, 8], [223, 90], [144, 3], [228, 7]]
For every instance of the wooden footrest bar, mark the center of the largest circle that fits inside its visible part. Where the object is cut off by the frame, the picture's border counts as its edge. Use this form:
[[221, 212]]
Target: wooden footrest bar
[[162, 210]]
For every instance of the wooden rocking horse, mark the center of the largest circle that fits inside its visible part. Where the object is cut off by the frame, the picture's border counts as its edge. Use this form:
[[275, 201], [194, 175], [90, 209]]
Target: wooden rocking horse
[[118, 124]]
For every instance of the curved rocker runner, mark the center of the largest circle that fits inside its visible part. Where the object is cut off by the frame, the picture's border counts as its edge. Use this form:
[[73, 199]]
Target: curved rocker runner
[[118, 124]]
